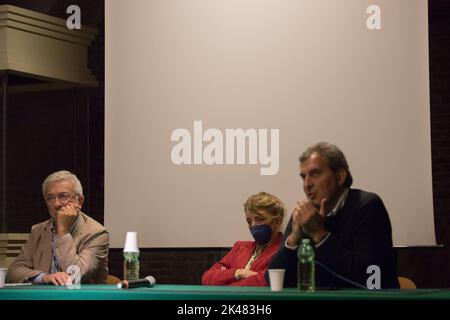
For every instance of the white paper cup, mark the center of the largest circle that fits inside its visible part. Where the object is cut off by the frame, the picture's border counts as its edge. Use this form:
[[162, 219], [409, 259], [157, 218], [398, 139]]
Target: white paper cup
[[3, 277], [276, 278], [131, 242]]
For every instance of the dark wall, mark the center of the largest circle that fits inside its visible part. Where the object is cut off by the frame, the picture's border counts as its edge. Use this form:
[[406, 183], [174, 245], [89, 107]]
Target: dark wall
[[54, 130], [439, 39]]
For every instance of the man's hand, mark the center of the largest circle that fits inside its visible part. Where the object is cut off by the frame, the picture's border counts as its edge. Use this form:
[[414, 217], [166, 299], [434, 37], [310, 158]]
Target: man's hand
[[65, 218], [295, 235], [58, 279], [310, 220]]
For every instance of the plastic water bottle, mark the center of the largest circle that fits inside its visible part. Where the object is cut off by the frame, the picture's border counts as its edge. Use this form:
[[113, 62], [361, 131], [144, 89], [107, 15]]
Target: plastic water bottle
[[306, 266], [131, 265], [131, 257]]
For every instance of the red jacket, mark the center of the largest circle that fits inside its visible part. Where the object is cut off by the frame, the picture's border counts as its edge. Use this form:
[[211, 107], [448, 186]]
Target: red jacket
[[238, 258]]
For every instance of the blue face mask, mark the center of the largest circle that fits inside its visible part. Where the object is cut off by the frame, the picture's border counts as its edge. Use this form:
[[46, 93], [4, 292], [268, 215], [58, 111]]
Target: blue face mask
[[262, 233]]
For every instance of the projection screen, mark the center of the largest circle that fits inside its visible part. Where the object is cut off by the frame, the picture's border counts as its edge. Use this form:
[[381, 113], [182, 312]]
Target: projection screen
[[210, 101]]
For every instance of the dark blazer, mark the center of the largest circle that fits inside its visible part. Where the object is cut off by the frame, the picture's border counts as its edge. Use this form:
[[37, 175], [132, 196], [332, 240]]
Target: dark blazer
[[361, 236], [222, 273]]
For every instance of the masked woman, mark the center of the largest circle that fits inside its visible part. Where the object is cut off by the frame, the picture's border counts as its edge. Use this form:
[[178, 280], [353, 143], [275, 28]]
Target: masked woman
[[247, 261]]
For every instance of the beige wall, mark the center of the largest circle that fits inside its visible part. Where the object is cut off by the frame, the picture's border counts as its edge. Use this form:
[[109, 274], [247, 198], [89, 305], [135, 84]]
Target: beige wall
[[309, 68]]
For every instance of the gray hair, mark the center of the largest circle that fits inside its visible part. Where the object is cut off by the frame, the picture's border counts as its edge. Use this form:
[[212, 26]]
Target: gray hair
[[333, 156], [63, 175]]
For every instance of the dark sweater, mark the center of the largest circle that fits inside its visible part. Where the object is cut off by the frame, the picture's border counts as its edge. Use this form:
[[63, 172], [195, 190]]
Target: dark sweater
[[361, 236]]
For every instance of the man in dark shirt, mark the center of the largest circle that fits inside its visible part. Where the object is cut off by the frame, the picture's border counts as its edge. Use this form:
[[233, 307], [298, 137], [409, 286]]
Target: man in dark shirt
[[350, 228]]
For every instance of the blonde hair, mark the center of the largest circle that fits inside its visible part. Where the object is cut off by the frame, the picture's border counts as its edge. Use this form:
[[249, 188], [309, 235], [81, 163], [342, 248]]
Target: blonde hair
[[267, 202]]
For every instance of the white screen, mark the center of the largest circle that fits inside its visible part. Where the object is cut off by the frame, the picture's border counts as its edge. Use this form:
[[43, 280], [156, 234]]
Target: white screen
[[311, 69]]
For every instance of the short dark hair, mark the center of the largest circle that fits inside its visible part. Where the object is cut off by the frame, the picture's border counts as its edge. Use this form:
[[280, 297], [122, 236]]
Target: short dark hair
[[333, 156]]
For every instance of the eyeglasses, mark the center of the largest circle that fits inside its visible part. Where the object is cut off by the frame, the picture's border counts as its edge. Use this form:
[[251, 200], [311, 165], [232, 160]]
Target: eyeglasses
[[62, 197]]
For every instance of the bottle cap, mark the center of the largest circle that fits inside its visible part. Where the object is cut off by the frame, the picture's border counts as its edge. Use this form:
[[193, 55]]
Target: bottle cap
[[131, 242]]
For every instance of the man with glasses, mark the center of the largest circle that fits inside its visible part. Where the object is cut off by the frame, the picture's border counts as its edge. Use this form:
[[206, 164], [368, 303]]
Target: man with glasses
[[69, 242]]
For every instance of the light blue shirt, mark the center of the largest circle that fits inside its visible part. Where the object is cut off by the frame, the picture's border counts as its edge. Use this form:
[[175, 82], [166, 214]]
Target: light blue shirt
[[54, 266]]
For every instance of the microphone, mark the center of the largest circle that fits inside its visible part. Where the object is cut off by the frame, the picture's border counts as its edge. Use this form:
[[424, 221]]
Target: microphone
[[129, 284]]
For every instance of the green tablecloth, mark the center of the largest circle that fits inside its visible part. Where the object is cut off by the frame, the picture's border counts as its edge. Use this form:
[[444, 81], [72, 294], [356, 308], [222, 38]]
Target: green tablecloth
[[190, 292]]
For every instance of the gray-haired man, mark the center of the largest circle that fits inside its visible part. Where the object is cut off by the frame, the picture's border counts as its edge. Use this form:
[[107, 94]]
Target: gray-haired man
[[68, 238]]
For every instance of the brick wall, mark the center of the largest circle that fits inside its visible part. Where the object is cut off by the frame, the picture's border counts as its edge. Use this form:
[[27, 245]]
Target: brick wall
[[174, 266], [439, 39]]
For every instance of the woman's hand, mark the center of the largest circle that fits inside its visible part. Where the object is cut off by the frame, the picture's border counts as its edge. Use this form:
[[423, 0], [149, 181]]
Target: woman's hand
[[244, 273]]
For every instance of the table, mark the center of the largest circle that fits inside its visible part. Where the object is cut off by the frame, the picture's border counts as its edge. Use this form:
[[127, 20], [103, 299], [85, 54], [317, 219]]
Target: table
[[197, 292]]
